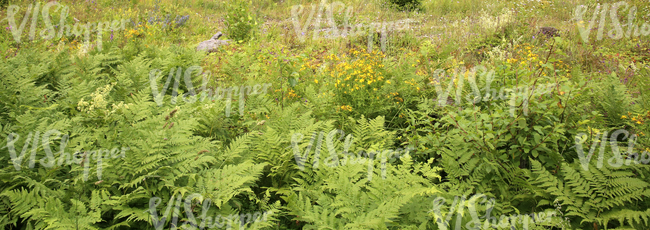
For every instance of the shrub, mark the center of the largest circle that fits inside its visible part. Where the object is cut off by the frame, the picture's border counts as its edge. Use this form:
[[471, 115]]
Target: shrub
[[405, 4], [240, 23]]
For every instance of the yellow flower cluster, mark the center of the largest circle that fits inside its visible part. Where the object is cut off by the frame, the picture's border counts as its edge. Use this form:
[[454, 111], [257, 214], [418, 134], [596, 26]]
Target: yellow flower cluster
[[132, 33], [291, 93], [137, 32], [412, 82], [357, 74], [396, 97], [527, 53], [346, 107], [307, 65], [638, 119], [526, 56], [98, 100]]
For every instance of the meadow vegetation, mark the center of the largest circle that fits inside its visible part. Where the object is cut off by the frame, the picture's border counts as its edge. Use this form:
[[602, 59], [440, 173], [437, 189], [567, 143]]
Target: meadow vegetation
[[522, 150]]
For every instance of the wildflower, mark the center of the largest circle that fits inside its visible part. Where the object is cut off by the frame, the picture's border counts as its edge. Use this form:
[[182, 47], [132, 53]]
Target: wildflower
[[388, 81], [638, 122], [315, 80], [623, 117]]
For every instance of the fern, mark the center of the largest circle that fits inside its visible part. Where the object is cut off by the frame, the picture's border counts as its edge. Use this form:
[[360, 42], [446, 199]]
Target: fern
[[597, 195]]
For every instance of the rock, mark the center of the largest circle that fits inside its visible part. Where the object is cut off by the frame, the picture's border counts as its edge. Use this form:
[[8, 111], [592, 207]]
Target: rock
[[217, 35], [213, 44], [549, 31]]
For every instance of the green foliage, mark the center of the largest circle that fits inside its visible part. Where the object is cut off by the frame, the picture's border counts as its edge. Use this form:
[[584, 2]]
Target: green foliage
[[355, 196], [613, 100], [406, 4], [241, 23], [607, 196], [351, 107], [165, 157]]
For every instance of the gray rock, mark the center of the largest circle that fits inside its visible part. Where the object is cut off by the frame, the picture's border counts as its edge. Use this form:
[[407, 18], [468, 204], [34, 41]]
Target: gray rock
[[217, 35], [213, 44]]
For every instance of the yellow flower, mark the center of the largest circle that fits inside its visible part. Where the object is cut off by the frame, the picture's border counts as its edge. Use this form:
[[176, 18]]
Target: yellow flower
[[316, 81], [623, 117], [638, 122], [388, 81]]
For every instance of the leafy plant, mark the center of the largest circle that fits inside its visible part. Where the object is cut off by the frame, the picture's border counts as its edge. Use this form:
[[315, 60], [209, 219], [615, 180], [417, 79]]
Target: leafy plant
[[406, 4], [241, 23]]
